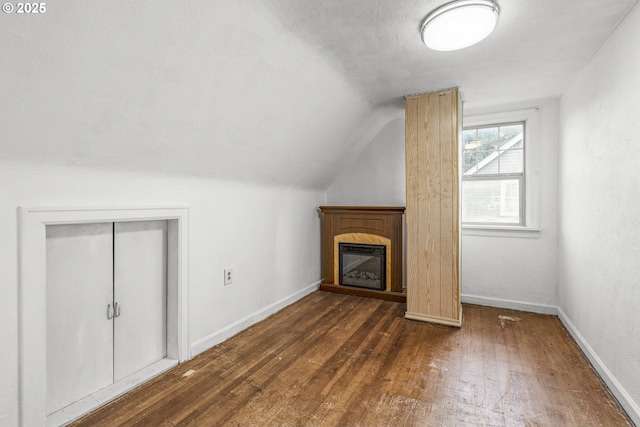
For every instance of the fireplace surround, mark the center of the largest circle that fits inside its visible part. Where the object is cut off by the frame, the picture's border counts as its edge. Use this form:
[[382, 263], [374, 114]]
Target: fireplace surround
[[364, 226]]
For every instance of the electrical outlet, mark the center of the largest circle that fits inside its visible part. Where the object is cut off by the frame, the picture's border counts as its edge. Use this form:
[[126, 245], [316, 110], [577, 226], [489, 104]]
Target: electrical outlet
[[228, 276]]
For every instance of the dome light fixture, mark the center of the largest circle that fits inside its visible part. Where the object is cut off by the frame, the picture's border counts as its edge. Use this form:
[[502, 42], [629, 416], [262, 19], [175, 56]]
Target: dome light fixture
[[460, 24]]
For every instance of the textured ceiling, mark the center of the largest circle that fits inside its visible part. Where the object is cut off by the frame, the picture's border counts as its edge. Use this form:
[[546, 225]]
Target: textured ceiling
[[537, 48], [278, 92]]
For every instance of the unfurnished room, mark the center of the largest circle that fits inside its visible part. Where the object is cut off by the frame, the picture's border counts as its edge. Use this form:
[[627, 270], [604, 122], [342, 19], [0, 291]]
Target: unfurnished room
[[320, 213]]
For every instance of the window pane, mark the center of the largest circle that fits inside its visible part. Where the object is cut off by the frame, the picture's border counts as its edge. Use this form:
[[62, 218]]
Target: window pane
[[488, 138], [509, 132], [470, 163], [493, 174], [488, 162], [491, 201], [511, 161], [469, 136]]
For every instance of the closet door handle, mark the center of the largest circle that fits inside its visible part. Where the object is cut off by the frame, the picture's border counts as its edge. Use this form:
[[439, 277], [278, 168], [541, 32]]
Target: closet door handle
[[117, 309], [109, 312]]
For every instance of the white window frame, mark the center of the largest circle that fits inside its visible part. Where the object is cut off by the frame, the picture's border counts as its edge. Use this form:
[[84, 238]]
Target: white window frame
[[531, 226]]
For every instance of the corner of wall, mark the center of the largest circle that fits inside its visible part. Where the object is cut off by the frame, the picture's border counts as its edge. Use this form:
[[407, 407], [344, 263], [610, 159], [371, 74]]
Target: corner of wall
[[221, 335], [619, 392]]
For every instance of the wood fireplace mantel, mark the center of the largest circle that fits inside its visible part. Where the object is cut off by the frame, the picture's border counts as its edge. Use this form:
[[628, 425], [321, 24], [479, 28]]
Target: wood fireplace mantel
[[369, 225]]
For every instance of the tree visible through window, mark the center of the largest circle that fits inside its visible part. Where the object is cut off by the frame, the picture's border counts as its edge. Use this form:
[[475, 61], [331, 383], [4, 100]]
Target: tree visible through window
[[493, 174]]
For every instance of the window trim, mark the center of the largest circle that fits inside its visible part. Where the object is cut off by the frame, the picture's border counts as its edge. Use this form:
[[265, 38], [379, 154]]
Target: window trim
[[530, 210]]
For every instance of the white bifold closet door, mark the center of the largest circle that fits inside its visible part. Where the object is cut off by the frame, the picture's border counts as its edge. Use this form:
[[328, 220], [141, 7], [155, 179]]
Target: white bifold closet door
[[140, 290], [106, 305], [79, 336]]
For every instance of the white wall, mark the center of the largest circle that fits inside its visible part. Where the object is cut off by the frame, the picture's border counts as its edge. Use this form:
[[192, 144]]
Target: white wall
[[120, 102], [377, 176], [269, 235], [599, 269], [494, 267], [521, 267]]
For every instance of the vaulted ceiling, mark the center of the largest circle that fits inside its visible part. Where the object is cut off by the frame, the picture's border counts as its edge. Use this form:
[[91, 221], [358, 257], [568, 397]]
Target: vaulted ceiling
[[282, 92], [537, 48]]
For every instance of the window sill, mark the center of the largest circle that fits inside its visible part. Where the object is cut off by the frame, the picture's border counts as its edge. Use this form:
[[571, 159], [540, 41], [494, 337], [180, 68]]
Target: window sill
[[502, 231]]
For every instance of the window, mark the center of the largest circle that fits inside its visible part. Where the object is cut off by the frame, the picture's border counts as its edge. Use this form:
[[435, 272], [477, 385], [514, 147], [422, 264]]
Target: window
[[493, 179]]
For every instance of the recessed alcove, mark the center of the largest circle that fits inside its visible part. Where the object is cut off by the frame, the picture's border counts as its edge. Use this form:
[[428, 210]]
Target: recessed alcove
[[33, 290]]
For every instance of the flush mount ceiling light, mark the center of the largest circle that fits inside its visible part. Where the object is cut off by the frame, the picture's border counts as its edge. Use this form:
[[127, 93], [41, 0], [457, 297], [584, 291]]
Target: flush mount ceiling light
[[459, 24]]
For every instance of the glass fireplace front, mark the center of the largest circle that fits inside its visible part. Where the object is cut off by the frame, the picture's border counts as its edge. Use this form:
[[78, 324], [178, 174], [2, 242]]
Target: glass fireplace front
[[363, 266]]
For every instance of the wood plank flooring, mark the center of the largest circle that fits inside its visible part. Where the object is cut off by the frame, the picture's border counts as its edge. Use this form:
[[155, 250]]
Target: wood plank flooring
[[341, 360]]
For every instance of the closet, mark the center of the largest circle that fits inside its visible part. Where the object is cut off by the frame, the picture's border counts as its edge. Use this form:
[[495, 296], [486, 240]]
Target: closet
[[106, 305]]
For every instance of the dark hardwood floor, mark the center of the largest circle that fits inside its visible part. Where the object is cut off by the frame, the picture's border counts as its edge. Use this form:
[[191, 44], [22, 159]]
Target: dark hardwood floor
[[340, 360]]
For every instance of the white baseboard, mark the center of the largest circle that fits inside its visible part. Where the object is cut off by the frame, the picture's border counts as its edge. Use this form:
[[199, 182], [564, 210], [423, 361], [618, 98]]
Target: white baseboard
[[510, 304], [227, 332], [630, 406], [101, 397]]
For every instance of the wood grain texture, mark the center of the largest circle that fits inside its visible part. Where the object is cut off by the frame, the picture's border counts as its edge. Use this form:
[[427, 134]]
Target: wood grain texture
[[456, 198], [383, 221], [342, 360], [432, 125], [364, 292], [448, 191], [431, 221], [411, 213]]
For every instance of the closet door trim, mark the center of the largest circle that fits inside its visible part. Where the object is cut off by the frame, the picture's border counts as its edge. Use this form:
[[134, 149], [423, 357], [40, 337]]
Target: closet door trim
[[32, 290]]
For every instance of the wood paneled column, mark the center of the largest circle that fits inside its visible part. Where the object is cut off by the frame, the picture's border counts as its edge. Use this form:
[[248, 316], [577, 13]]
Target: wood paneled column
[[433, 131]]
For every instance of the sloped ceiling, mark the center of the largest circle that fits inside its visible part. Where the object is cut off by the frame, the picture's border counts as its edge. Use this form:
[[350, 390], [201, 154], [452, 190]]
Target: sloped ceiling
[[536, 49], [281, 92]]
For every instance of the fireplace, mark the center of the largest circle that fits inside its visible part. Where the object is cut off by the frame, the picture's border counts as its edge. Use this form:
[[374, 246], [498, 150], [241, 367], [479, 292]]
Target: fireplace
[[363, 266], [362, 251]]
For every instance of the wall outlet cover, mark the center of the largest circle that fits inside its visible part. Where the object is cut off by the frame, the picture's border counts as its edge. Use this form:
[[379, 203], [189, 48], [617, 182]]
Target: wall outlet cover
[[228, 276]]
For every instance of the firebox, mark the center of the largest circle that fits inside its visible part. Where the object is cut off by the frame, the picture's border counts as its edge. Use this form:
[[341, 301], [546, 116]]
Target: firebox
[[363, 266]]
